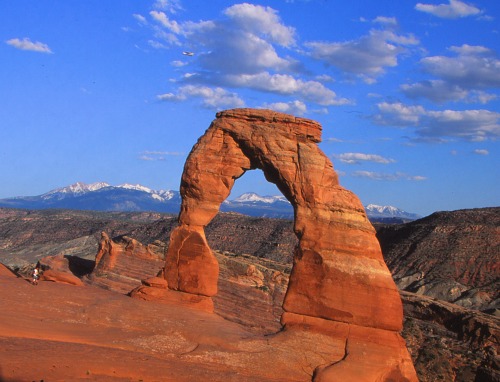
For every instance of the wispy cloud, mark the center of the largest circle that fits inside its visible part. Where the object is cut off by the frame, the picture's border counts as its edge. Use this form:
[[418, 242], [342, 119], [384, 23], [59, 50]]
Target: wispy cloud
[[140, 18], [158, 155], [368, 56], [292, 107], [162, 18], [389, 21], [481, 152], [453, 10], [172, 6], [387, 176], [333, 140], [356, 158], [27, 44], [471, 125], [312, 91], [212, 98]]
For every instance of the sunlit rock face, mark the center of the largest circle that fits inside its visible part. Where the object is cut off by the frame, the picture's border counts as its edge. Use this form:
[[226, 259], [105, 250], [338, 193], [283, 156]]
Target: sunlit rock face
[[339, 276]]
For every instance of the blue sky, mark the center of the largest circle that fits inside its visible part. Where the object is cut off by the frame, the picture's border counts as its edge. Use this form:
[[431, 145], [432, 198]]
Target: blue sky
[[407, 92]]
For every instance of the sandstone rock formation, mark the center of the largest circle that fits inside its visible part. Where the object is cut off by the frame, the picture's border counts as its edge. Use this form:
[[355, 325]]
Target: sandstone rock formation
[[339, 281], [122, 263], [56, 269]]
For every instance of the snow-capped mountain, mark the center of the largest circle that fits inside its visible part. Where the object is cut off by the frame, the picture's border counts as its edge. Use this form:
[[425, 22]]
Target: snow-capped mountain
[[255, 205], [376, 211], [78, 188], [252, 197], [102, 196]]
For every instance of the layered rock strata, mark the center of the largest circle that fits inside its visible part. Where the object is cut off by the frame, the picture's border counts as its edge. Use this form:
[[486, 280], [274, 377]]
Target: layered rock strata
[[122, 263], [339, 278]]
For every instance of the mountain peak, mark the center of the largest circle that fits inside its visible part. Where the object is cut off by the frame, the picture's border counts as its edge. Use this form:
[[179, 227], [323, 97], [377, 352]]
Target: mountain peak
[[135, 197], [136, 187], [376, 210], [75, 189], [252, 197]]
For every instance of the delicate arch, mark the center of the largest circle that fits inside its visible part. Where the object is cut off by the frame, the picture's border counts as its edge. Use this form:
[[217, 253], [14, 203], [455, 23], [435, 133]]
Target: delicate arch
[[338, 272]]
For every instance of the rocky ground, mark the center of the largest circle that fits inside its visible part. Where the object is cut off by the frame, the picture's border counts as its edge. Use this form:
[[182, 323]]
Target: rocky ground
[[448, 341]]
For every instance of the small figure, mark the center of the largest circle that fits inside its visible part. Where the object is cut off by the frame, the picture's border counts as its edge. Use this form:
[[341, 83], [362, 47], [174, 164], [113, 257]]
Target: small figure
[[36, 276]]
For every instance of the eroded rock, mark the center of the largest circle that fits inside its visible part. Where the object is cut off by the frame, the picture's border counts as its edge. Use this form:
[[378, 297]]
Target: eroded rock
[[338, 275]]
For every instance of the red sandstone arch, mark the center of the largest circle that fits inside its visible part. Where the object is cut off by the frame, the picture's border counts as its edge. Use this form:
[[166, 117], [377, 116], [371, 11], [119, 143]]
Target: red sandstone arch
[[338, 272]]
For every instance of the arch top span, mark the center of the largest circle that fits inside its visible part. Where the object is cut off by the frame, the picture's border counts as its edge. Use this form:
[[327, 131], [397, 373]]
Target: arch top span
[[302, 128], [338, 272]]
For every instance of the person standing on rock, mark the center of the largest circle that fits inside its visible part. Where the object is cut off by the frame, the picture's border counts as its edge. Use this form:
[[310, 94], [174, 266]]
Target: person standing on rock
[[36, 276]]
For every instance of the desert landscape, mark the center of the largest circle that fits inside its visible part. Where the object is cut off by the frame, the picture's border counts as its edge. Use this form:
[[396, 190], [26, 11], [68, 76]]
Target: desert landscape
[[250, 191], [230, 297], [45, 328]]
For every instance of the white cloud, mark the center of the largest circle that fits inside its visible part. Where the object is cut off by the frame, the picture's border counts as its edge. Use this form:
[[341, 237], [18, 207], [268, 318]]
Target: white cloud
[[389, 21], [169, 153], [178, 64], [158, 155], [467, 49], [333, 139], [324, 78], [471, 125], [453, 10], [149, 158], [356, 158], [312, 91], [212, 98], [241, 50], [156, 44], [140, 18], [237, 53], [481, 152], [474, 67], [171, 6], [367, 56], [258, 20], [163, 19], [435, 90], [292, 107], [27, 44], [460, 77], [384, 176], [398, 114]]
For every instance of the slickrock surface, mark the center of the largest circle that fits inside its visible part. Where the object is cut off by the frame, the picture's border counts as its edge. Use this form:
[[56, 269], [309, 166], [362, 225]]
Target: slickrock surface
[[59, 332], [339, 279]]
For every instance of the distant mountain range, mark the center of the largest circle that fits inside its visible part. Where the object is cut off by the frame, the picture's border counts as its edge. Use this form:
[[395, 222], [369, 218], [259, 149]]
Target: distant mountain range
[[128, 197]]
